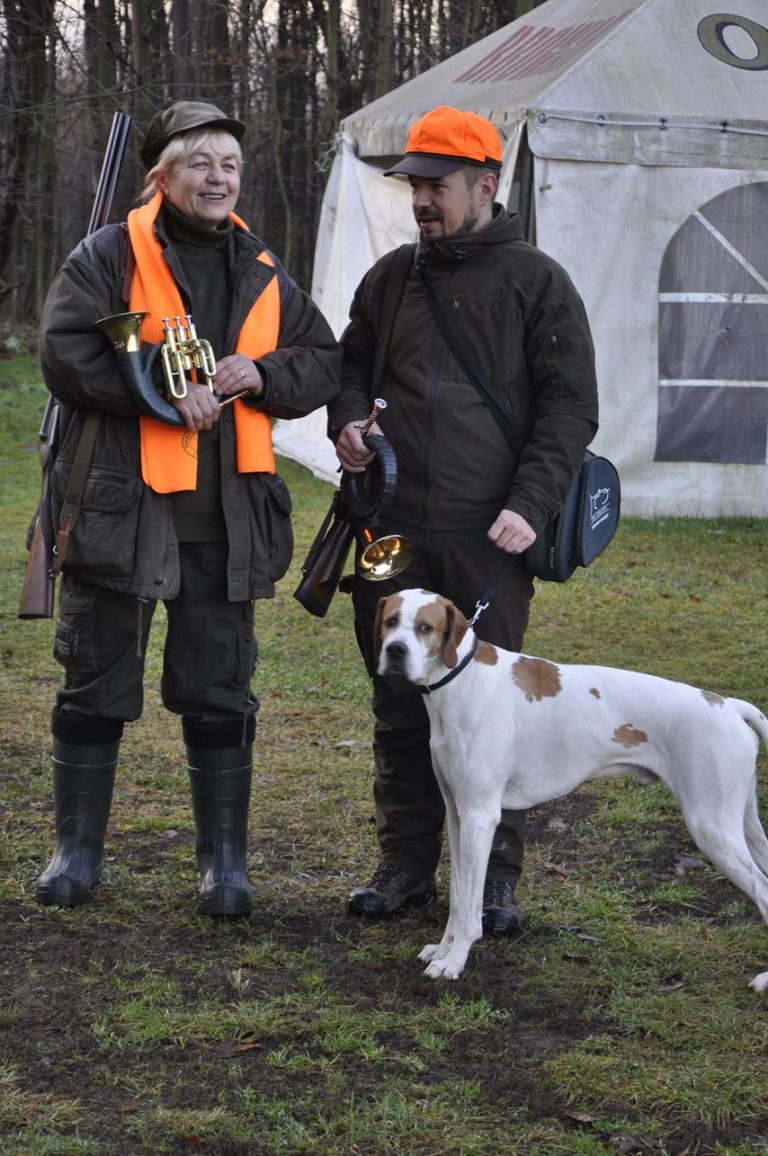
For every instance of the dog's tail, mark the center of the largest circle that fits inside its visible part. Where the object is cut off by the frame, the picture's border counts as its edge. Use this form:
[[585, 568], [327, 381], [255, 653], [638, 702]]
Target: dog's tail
[[751, 715], [754, 831]]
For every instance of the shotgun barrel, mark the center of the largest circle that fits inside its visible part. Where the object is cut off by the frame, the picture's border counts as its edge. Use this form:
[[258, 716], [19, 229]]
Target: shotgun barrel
[[37, 593]]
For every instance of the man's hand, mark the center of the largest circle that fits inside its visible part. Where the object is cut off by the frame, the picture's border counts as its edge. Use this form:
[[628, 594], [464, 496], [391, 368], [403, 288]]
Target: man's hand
[[350, 450], [511, 533]]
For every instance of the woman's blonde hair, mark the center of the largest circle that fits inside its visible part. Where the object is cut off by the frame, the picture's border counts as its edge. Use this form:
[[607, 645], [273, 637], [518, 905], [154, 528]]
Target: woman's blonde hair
[[181, 148]]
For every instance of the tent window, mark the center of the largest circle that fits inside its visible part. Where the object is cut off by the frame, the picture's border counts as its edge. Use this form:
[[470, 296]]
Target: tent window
[[713, 333]]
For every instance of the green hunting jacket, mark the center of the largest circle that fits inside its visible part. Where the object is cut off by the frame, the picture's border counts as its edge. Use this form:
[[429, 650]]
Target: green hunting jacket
[[522, 325], [124, 538]]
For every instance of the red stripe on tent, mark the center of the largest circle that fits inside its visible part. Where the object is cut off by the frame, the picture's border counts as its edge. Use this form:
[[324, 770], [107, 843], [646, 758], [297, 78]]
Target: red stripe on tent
[[529, 50]]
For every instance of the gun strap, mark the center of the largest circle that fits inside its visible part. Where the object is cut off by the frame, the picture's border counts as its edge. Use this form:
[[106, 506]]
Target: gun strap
[[394, 285], [75, 488]]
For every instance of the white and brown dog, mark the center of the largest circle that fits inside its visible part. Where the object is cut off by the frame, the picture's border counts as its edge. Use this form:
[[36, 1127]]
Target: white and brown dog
[[509, 730]]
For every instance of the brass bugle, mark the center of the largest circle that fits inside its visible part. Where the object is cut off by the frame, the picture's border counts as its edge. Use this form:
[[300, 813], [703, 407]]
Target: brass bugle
[[382, 558], [123, 330], [378, 558]]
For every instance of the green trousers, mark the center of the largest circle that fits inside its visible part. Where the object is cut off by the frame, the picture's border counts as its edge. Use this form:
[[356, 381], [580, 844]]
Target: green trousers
[[410, 812]]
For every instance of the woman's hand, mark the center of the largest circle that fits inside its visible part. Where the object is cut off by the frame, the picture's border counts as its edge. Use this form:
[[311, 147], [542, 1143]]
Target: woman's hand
[[198, 407], [237, 373]]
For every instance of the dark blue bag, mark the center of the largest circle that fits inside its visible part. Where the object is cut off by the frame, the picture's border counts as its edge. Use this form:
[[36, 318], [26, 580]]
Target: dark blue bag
[[586, 524]]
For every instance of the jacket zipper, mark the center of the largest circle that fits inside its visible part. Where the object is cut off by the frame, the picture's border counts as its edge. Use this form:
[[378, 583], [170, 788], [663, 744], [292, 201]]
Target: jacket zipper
[[431, 407]]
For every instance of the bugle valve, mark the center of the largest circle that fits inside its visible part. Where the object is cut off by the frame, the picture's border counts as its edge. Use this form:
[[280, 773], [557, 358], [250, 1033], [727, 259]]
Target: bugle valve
[[183, 353]]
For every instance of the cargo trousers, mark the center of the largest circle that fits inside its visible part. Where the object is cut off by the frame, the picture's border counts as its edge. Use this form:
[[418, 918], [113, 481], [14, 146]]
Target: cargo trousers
[[209, 655]]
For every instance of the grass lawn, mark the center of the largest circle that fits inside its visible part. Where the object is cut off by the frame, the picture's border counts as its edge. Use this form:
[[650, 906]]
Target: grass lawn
[[620, 1022]]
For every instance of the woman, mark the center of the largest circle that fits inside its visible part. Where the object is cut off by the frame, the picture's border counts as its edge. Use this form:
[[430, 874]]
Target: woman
[[192, 513]]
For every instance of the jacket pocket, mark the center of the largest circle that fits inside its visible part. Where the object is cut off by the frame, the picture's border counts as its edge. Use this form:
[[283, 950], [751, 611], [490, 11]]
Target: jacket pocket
[[279, 530], [103, 537]]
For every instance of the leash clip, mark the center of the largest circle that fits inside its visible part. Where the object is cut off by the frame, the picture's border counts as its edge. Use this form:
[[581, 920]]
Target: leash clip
[[479, 608]]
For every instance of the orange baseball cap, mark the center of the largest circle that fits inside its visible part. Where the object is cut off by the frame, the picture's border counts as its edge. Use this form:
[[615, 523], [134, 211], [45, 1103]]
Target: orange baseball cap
[[444, 140]]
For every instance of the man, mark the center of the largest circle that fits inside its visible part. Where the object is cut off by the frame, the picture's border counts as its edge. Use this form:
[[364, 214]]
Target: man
[[464, 497], [195, 516]]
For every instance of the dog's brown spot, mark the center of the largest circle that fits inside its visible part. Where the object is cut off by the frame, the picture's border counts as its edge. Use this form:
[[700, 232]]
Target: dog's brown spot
[[432, 615], [595, 692], [486, 653], [629, 736], [713, 698], [537, 678]]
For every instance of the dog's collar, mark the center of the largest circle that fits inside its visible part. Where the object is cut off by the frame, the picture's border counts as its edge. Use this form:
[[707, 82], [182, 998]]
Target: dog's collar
[[452, 673]]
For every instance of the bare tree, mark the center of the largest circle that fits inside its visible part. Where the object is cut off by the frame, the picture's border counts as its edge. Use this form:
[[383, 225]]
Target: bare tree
[[23, 85], [292, 69]]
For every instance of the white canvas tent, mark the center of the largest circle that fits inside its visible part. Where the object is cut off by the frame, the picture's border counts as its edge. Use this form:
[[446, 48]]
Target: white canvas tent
[[647, 125]]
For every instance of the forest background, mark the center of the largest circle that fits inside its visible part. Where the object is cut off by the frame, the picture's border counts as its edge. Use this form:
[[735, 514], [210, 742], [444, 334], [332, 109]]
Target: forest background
[[291, 69]]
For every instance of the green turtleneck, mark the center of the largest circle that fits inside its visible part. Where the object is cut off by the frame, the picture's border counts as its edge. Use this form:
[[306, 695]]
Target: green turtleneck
[[205, 256]]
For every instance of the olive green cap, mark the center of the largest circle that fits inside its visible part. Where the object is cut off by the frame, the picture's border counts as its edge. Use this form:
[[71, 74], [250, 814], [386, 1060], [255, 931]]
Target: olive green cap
[[181, 117]]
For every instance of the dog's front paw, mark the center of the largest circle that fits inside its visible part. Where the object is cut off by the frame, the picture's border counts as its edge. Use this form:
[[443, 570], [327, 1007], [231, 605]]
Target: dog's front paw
[[444, 969], [760, 982]]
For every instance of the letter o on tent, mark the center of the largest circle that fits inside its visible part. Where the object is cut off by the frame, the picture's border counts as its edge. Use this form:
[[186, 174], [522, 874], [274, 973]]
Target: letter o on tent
[[711, 33]]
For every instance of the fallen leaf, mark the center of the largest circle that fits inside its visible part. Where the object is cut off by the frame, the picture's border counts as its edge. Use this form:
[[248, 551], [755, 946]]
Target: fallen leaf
[[232, 1048], [581, 1117]]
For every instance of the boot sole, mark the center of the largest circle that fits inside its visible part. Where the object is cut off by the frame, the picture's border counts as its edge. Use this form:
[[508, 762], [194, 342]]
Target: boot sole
[[226, 903], [497, 925], [65, 892], [62, 896]]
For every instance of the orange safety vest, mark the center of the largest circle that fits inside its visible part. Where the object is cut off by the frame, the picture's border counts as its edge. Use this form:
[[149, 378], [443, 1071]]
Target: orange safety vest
[[169, 454]]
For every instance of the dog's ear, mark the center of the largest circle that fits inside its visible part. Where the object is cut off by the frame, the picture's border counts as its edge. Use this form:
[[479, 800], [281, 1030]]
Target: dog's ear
[[377, 628], [455, 629]]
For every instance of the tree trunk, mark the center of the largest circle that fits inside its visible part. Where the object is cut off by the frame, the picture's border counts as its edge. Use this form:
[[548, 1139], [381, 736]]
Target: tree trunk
[[25, 75]]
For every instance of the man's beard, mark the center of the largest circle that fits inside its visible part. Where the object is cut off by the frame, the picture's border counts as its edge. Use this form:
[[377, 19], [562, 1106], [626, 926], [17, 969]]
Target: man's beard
[[468, 225]]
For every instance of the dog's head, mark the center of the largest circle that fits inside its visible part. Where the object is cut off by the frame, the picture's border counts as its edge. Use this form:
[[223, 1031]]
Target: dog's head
[[415, 633]]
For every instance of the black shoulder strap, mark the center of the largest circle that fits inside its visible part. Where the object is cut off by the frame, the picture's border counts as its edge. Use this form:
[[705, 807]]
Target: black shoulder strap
[[501, 419], [129, 267], [394, 286]]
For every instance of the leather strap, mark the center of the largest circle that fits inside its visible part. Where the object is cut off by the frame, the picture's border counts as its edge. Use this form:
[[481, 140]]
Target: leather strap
[[75, 488], [394, 285]]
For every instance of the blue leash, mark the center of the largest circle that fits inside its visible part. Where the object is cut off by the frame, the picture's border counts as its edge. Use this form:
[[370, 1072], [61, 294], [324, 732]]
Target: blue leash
[[484, 602]]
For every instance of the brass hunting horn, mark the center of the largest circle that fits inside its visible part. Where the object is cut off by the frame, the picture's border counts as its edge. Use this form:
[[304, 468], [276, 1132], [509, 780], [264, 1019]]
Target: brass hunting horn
[[352, 516], [181, 354]]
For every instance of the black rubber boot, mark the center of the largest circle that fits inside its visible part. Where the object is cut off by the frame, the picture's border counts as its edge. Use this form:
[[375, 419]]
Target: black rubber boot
[[83, 780], [221, 789]]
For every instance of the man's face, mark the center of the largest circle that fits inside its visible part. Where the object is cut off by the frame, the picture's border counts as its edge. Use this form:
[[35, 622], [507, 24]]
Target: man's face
[[443, 206], [205, 187]]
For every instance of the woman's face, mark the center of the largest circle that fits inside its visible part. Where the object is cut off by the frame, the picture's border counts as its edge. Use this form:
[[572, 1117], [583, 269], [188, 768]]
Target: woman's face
[[203, 186]]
